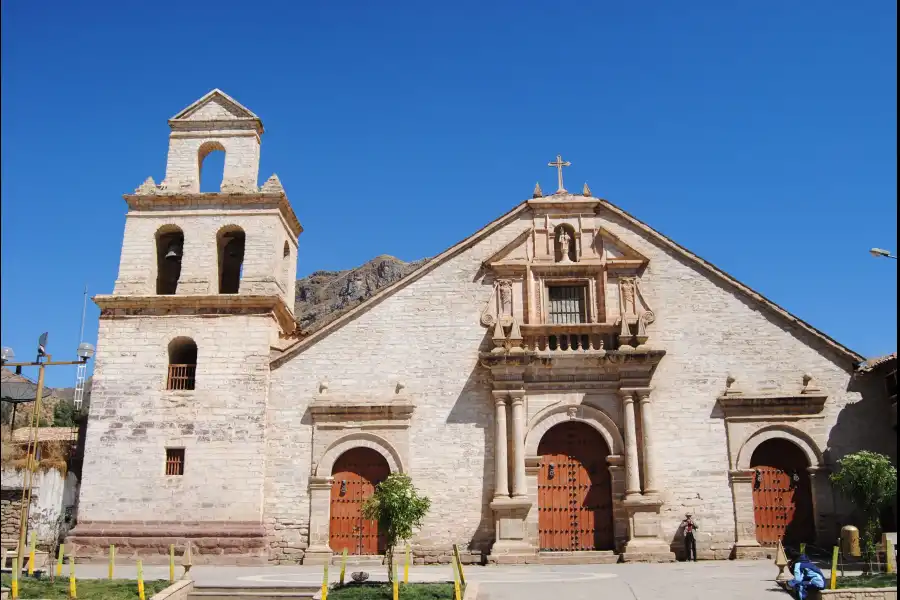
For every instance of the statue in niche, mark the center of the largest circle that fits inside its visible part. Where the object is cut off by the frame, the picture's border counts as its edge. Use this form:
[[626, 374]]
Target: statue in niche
[[505, 297], [628, 296], [564, 243]]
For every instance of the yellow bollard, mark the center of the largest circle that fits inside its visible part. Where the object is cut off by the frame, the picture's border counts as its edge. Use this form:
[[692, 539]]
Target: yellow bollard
[[834, 559], [456, 591], [406, 566], [462, 576], [14, 584], [112, 559], [343, 565], [891, 565], [140, 568], [396, 583], [73, 589], [171, 563], [59, 560], [31, 555], [325, 581]]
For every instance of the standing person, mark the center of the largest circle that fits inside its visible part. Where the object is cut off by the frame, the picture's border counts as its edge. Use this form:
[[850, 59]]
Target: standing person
[[690, 544], [807, 576]]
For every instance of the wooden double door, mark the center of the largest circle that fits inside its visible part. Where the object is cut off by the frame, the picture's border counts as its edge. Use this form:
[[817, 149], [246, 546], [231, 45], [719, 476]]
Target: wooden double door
[[356, 473], [782, 495], [574, 490]]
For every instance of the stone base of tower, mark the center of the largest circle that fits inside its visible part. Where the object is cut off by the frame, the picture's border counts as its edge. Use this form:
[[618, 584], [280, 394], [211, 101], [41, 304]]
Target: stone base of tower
[[212, 542]]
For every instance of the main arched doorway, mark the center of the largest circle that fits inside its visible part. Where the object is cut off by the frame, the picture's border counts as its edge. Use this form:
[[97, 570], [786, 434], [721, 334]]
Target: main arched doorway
[[782, 495], [356, 473], [574, 490]]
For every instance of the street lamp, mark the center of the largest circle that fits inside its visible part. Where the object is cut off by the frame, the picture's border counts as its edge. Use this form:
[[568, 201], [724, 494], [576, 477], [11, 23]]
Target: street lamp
[[85, 352], [876, 252]]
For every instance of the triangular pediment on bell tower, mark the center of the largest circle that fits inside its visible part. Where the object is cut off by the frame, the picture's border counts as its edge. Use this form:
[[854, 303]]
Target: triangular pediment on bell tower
[[216, 106]]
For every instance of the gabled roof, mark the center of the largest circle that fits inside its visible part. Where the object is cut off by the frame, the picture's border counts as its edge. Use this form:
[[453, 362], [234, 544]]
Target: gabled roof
[[216, 105], [853, 357], [874, 363]]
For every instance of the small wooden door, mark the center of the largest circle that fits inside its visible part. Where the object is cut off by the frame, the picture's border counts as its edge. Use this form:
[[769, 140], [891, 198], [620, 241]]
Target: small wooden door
[[782, 498], [356, 473], [574, 490]]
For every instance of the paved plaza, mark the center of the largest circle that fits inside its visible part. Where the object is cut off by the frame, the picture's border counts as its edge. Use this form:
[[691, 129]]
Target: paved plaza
[[732, 580]]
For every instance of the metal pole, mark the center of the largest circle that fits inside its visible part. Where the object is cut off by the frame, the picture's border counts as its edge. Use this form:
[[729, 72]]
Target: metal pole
[[83, 310], [30, 466]]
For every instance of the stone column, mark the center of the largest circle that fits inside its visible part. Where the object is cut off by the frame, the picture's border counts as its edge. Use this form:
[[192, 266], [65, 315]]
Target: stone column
[[518, 431], [632, 477], [745, 544], [319, 552], [501, 464], [647, 430]]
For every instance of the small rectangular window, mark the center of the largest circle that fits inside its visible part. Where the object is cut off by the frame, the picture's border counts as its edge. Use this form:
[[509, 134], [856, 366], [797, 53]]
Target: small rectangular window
[[174, 461], [567, 304]]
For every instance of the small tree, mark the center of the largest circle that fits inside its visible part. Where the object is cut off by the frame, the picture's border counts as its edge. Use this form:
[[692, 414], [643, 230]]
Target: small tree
[[399, 509], [869, 481]]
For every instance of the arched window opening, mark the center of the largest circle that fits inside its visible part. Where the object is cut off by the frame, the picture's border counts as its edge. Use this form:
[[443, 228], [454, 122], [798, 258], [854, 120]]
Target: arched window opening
[[286, 267], [169, 248], [564, 249], [211, 166], [182, 364], [231, 259]]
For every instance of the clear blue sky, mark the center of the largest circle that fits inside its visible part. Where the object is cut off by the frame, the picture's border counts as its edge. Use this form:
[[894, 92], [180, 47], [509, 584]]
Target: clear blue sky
[[762, 136]]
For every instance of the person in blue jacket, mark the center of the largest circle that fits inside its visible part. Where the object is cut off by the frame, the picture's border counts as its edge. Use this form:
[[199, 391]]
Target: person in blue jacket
[[807, 576]]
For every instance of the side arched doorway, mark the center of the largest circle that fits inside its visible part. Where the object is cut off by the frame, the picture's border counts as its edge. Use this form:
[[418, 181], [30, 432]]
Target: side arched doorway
[[574, 490], [356, 473], [782, 494]]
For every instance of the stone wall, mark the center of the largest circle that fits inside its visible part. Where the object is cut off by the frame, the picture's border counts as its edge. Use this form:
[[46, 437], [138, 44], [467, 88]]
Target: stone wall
[[11, 516], [52, 493], [859, 594]]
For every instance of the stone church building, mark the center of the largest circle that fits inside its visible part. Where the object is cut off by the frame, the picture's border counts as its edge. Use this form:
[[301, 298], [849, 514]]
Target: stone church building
[[564, 384]]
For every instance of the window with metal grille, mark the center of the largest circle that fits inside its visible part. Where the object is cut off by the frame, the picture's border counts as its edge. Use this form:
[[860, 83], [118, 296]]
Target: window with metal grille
[[567, 304], [174, 461]]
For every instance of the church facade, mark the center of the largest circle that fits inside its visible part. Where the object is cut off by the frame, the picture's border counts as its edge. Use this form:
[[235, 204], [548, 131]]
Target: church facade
[[564, 384]]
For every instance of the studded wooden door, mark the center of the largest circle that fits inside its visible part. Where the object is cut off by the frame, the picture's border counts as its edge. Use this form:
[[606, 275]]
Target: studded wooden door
[[574, 490], [356, 473], [782, 499]]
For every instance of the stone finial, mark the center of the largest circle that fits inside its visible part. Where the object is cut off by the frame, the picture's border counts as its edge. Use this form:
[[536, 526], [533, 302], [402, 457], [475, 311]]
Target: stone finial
[[498, 338], [781, 562], [515, 337], [809, 386], [272, 185], [188, 561], [323, 387], [586, 192], [148, 187], [400, 387], [537, 193], [730, 388]]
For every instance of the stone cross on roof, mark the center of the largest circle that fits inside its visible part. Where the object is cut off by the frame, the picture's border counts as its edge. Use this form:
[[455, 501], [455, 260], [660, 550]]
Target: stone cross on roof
[[559, 164]]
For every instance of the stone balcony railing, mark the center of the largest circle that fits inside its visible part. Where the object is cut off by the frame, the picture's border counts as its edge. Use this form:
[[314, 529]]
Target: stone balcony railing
[[582, 337]]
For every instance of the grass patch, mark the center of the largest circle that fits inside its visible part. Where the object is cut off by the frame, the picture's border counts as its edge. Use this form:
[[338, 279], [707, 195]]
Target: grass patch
[[384, 591], [878, 580], [95, 589]]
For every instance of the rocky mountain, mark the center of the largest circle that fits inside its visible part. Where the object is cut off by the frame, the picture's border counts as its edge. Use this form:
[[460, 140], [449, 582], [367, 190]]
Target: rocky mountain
[[325, 295]]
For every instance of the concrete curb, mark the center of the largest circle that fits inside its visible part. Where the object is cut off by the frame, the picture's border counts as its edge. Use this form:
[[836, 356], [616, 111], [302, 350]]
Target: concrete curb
[[177, 591], [471, 591]]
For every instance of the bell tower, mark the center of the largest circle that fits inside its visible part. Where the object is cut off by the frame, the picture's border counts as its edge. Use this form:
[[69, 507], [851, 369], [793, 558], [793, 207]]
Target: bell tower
[[205, 289]]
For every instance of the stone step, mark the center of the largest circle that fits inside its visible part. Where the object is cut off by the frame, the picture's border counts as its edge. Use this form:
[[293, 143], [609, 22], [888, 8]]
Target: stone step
[[254, 593], [371, 560], [595, 557]]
